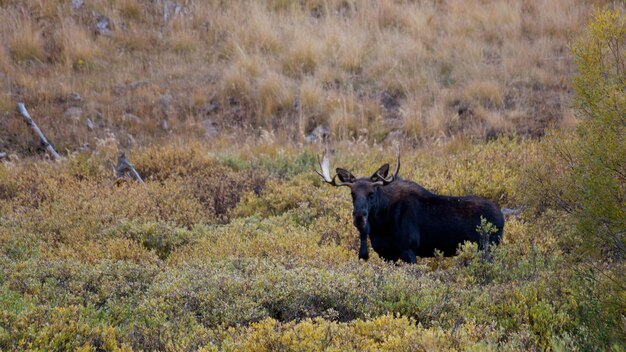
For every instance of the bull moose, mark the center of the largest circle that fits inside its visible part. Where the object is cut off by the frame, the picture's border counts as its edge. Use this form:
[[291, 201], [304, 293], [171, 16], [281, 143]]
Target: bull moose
[[404, 220]]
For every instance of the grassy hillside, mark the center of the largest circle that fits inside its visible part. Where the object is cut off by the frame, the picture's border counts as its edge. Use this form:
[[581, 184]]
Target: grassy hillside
[[233, 243], [427, 70]]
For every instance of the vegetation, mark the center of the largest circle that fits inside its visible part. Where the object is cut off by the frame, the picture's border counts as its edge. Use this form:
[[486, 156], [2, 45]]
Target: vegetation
[[365, 69], [87, 261], [91, 263], [233, 243], [584, 173]]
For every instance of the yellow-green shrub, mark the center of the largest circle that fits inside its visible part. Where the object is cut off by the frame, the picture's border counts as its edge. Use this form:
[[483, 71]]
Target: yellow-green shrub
[[582, 173], [217, 187], [151, 267]]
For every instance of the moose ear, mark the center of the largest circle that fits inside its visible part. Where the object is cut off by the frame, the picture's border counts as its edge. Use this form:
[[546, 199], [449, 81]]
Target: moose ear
[[382, 171], [345, 175]]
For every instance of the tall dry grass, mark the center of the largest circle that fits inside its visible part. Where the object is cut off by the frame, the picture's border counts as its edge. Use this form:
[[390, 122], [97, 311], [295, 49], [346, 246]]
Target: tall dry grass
[[429, 69]]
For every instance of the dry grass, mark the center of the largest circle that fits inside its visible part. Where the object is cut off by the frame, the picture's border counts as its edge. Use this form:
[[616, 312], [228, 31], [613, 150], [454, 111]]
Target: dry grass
[[291, 66], [25, 41], [78, 50]]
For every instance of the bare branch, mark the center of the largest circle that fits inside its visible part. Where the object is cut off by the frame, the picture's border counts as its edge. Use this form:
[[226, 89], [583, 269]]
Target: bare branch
[[31, 123], [124, 167]]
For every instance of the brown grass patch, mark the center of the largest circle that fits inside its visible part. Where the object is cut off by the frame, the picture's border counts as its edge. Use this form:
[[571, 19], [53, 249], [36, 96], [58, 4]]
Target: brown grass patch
[[334, 58]]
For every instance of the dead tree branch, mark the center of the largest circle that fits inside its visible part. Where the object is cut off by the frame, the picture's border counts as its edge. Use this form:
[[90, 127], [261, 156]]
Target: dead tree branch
[[29, 121], [124, 167]]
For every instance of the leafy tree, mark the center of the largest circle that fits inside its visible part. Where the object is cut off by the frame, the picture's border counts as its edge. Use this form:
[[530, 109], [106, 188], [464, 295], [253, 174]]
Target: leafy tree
[[599, 174], [583, 173]]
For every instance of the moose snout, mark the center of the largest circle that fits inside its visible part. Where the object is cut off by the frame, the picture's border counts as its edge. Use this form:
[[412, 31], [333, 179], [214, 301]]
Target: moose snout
[[360, 218]]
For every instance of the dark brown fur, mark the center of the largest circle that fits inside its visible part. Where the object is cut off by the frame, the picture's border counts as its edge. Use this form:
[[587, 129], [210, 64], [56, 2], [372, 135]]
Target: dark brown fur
[[404, 220]]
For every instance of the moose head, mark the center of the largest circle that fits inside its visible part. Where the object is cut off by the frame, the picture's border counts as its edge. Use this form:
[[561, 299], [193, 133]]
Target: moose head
[[365, 193]]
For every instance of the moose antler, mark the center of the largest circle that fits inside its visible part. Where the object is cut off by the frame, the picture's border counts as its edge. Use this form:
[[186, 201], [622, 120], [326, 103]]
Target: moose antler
[[325, 166], [393, 176]]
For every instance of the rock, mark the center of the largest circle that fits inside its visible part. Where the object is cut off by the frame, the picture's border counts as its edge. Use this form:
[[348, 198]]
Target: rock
[[76, 97], [74, 113], [209, 108], [77, 4], [391, 106], [389, 101], [3, 155], [102, 26], [166, 99], [138, 84], [128, 117], [81, 149], [320, 133], [210, 128], [90, 125], [463, 109], [164, 125], [166, 103], [317, 12], [172, 7], [395, 135]]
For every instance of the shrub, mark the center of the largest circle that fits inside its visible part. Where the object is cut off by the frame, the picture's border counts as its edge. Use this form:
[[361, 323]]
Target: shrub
[[584, 174], [150, 267], [157, 237], [599, 170], [217, 187]]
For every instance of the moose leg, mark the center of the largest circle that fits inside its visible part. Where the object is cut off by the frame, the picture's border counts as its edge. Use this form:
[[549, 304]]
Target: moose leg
[[408, 256], [363, 252]]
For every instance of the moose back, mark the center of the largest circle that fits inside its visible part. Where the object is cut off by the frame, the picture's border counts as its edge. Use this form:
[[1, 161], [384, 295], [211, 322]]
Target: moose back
[[404, 220]]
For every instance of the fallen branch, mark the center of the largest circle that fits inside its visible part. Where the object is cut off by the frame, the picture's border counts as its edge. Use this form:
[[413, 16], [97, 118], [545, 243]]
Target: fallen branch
[[124, 167], [29, 121]]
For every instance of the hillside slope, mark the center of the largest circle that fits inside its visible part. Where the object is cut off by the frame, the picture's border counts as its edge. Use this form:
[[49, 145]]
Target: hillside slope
[[365, 69]]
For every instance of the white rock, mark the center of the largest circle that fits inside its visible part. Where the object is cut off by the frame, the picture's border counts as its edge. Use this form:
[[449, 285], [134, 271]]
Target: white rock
[[74, 113]]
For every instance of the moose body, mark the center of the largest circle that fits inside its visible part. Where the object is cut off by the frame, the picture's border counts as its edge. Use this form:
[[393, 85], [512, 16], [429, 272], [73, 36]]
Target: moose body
[[404, 220]]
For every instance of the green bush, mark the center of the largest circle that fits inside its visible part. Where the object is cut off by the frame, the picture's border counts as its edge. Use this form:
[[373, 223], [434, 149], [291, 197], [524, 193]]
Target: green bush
[[583, 174], [599, 172]]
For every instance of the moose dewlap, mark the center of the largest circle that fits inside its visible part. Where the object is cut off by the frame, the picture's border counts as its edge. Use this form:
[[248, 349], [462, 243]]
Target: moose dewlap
[[404, 220]]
